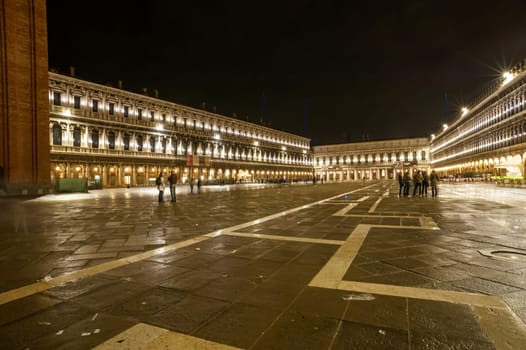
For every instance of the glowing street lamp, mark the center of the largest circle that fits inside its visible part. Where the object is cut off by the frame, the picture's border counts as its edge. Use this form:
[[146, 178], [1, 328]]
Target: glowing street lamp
[[464, 111], [508, 76]]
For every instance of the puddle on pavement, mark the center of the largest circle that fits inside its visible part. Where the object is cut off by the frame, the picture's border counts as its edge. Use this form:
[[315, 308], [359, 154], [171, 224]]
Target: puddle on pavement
[[514, 255], [353, 296], [509, 255]]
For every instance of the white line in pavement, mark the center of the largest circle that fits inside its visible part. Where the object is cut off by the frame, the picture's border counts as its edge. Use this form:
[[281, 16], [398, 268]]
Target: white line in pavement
[[331, 275], [34, 288], [373, 208], [503, 327], [143, 336], [274, 216], [41, 286], [343, 211], [285, 238], [422, 293]]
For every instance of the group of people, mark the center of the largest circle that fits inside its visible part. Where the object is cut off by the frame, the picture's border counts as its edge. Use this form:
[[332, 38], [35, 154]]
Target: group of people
[[172, 181], [420, 181]]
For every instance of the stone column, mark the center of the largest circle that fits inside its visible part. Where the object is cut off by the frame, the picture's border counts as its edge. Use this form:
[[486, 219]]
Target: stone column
[[119, 173], [103, 174], [67, 171], [133, 180]]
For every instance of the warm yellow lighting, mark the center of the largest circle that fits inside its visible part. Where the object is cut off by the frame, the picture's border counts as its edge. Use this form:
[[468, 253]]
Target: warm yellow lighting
[[464, 111], [159, 127], [432, 136], [508, 76], [471, 149], [256, 143], [217, 137], [67, 112], [444, 126]]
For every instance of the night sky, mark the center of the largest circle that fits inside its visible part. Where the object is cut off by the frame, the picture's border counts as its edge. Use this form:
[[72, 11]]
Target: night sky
[[333, 71]]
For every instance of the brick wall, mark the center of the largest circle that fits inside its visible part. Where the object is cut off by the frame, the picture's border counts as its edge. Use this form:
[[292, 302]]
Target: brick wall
[[24, 103]]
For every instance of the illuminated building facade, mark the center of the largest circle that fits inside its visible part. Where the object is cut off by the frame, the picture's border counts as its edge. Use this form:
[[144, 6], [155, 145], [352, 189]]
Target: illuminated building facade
[[371, 160], [117, 138], [489, 137]]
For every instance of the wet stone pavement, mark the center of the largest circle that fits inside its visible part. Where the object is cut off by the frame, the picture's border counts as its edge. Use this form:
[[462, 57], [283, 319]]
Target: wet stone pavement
[[331, 266]]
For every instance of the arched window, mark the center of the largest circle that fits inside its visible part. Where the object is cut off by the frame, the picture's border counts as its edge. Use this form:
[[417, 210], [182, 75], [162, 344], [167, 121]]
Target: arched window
[[139, 143], [152, 144], [174, 145], [126, 141], [163, 144], [95, 138], [57, 134], [111, 140], [76, 137]]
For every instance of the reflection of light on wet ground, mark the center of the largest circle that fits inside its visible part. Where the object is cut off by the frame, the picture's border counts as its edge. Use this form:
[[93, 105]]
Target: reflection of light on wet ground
[[491, 192], [116, 193], [510, 255], [63, 197]]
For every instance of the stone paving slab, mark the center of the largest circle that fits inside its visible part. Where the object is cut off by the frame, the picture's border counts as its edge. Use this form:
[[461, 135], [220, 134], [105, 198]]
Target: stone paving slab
[[185, 270]]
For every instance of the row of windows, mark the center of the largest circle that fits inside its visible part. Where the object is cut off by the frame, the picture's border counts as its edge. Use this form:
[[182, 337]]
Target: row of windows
[[508, 106], [504, 137], [111, 107], [142, 114], [182, 148], [370, 158]]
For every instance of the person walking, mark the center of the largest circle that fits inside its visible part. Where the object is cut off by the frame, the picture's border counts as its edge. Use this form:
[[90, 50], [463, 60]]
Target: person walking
[[192, 185], [401, 184], [172, 179], [199, 185], [433, 180], [160, 186]]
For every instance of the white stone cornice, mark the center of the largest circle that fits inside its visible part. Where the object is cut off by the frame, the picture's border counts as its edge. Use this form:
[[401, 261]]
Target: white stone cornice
[[102, 90]]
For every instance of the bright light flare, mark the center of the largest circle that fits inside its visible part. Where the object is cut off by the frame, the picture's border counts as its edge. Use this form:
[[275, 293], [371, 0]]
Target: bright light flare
[[507, 76]]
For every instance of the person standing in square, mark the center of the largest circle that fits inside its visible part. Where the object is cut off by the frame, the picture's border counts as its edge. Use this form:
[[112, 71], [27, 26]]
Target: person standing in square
[[160, 186], [172, 179]]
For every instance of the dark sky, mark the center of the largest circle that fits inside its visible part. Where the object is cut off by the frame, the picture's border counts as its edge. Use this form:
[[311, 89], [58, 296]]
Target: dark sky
[[334, 71]]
